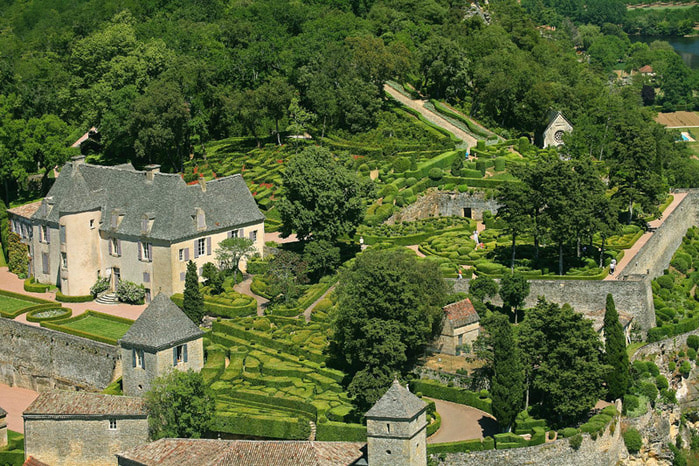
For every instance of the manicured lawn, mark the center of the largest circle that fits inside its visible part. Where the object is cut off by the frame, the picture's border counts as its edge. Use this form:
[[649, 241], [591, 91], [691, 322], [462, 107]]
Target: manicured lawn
[[98, 325], [10, 304]]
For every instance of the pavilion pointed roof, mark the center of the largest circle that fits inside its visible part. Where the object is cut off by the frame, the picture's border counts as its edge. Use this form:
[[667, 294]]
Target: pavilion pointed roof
[[397, 403], [161, 325]]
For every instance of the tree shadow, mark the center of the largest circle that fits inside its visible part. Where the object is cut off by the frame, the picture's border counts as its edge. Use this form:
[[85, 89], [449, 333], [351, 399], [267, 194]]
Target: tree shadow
[[489, 426]]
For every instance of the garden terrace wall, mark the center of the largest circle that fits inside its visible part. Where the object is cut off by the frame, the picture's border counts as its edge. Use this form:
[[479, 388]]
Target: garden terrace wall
[[40, 359], [441, 203]]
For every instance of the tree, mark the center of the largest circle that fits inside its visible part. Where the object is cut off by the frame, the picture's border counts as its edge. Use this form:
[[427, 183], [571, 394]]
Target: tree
[[514, 289], [507, 383], [481, 287], [287, 271], [618, 378], [389, 307], [193, 300], [514, 210], [179, 406], [230, 251], [324, 200], [214, 278], [276, 95], [563, 361], [321, 257]]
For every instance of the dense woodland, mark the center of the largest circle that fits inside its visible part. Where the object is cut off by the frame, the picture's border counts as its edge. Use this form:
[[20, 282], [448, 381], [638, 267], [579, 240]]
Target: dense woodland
[[161, 78]]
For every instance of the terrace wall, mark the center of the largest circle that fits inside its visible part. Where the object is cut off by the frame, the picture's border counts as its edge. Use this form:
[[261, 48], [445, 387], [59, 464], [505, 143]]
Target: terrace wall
[[40, 359], [444, 203]]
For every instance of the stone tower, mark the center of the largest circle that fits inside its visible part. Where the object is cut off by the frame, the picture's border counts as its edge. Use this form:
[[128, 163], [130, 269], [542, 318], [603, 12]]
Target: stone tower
[[397, 429], [163, 338]]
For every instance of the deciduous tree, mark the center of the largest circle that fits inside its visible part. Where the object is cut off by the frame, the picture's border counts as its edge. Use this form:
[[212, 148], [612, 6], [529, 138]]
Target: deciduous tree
[[230, 251], [514, 289]]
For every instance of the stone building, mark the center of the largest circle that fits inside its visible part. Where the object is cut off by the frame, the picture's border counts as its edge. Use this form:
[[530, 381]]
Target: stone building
[[163, 338], [82, 428], [397, 429], [3, 428], [140, 226], [556, 127], [461, 326]]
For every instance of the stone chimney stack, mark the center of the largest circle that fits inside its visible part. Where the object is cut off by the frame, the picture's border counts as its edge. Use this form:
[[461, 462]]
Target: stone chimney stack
[[151, 170], [202, 183], [78, 160]]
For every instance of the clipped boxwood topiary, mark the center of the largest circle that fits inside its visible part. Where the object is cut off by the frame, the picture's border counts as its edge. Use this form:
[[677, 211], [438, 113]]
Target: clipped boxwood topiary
[[633, 440], [435, 173], [72, 299], [575, 441], [693, 342]]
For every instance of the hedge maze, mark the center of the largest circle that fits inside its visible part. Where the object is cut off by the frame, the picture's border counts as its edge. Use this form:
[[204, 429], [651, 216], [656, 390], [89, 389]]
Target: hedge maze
[[269, 378]]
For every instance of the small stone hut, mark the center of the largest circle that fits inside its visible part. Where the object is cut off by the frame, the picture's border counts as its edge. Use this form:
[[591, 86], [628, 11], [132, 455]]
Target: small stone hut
[[163, 338], [397, 429], [556, 127], [80, 428], [461, 326], [3, 428]]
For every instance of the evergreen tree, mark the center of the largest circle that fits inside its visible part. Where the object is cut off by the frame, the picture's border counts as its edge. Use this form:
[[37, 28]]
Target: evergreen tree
[[507, 383], [514, 289], [193, 300], [615, 356]]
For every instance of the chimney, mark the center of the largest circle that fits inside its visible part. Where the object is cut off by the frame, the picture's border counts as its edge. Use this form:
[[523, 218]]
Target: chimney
[[77, 160], [202, 183], [151, 170]]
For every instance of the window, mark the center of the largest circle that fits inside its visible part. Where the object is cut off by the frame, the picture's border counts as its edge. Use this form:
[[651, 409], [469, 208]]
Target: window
[[146, 252], [148, 298], [180, 255], [233, 234], [62, 233], [114, 247], [92, 223], [138, 358], [253, 235], [201, 220], [201, 247], [112, 424], [44, 234], [388, 428], [179, 354], [44, 262], [64, 260]]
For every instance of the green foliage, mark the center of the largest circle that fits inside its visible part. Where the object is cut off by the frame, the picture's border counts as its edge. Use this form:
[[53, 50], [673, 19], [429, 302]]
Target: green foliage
[[507, 384], [568, 432], [228, 304], [633, 440], [616, 357], [193, 302], [74, 299], [321, 257], [433, 389], [17, 255], [340, 432], [229, 253], [179, 406], [685, 368], [93, 325], [47, 313], [128, 292], [575, 441], [483, 287], [102, 284], [435, 173], [693, 342], [514, 289], [33, 287]]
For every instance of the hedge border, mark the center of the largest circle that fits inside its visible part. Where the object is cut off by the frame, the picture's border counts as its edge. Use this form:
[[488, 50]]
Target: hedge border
[[58, 326], [462, 396], [67, 312], [261, 426], [31, 286], [221, 310], [73, 299], [25, 297], [340, 432]]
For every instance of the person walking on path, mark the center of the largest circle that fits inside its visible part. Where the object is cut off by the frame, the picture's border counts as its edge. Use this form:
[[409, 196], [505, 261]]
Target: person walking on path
[[612, 266]]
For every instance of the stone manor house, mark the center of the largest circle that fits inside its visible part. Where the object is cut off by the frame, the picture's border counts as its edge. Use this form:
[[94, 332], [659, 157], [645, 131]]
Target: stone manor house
[[126, 224]]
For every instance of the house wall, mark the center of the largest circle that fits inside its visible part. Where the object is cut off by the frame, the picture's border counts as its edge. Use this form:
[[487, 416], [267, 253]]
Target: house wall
[[3, 431], [81, 441], [449, 339], [404, 444], [54, 251], [136, 381], [82, 249]]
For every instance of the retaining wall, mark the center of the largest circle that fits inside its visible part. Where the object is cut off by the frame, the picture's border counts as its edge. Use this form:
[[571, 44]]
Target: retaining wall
[[40, 359], [445, 203]]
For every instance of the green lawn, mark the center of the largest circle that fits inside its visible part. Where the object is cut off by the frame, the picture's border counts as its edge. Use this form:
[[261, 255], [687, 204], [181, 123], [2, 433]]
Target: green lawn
[[98, 325], [11, 307]]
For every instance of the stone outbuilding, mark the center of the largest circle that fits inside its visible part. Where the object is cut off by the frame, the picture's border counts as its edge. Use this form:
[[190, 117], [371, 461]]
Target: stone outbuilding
[[460, 327], [3, 428], [397, 429], [82, 428], [163, 338], [556, 127]]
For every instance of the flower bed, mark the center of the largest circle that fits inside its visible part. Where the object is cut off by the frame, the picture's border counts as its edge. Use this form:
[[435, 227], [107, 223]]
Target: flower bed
[[49, 314]]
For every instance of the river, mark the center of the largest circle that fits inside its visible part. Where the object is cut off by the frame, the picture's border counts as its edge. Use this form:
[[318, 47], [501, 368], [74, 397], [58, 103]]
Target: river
[[686, 47]]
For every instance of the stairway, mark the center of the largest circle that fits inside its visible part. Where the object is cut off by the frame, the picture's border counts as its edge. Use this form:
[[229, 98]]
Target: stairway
[[312, 437], [107, 298]]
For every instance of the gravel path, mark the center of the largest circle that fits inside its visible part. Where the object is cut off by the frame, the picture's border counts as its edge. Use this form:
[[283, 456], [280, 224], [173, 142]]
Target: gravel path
[[419, 105], [461, 422], [244, 288], [307, 312], [15, 400]]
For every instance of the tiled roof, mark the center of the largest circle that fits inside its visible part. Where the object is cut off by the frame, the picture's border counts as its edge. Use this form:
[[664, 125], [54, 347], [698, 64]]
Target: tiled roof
[[26, 210], [227, 202], [68, 403], [161, 325], [189, 452], [31, 461], [646, 69], [461, 313], [397, 403]]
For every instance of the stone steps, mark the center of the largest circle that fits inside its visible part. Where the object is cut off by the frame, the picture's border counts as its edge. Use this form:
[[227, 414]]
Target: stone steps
[[107, 298], [312, 437]]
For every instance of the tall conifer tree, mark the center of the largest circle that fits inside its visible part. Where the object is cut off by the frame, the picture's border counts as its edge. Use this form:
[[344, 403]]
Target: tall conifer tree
[[615, 356], [193, 301], [507, 385]]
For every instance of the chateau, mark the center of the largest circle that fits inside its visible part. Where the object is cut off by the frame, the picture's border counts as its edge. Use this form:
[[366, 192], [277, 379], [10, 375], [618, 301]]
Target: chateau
[[126, 224]]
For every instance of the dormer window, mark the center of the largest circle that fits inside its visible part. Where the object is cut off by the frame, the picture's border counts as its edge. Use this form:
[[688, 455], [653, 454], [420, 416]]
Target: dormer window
[[116, 219], [201, 219], [146, 223]]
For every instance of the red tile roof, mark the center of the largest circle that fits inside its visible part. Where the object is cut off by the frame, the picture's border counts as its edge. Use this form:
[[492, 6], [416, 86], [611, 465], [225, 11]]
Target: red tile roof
[[67, 403], [461, 313], [31, 461], [646, 69], [202, 452], [26, 210]]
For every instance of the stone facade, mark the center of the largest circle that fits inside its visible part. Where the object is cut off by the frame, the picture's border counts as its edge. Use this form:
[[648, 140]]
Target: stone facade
[[557, 127], [39, 359], [82, 441], [137, 379], [441, 203], [3, 428], [452, 338]]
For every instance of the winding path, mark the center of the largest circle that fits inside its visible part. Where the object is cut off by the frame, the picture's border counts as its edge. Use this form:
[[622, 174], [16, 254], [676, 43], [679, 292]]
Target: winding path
[[429, 115], [461, 422], [244, 288]]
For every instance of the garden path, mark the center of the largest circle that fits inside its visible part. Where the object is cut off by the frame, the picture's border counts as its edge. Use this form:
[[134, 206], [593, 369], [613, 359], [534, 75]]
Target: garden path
[[307, 312], [15, 400], [415, 247], [630, 253], [419, 105], [10, 282], [244, 288], [461, 422], [276, 237]]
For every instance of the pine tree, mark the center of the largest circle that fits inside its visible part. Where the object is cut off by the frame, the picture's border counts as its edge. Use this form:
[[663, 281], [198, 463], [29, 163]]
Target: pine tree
[[507, 384], [193, 300], [615, 356]]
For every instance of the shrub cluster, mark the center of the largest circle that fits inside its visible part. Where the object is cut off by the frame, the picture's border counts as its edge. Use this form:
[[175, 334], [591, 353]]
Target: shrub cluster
[[130, 292]]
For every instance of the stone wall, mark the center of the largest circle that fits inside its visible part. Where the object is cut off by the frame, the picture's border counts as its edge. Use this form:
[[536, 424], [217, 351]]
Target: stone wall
[[40, 359], [443, 203], [655, 255], [607, 449], [633, 296]]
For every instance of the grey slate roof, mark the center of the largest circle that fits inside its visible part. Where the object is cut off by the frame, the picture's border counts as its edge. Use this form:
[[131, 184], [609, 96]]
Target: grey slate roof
[[3, 413], [167, 199], [397, 403], [161, 325], [66, 403]]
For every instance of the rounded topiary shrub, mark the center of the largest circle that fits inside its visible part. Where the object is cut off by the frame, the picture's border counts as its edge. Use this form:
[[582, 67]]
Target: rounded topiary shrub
[[575, 441], [630, 403], [435, 173], [666, 281], [633, 440], [693, 341], [685, 368]]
